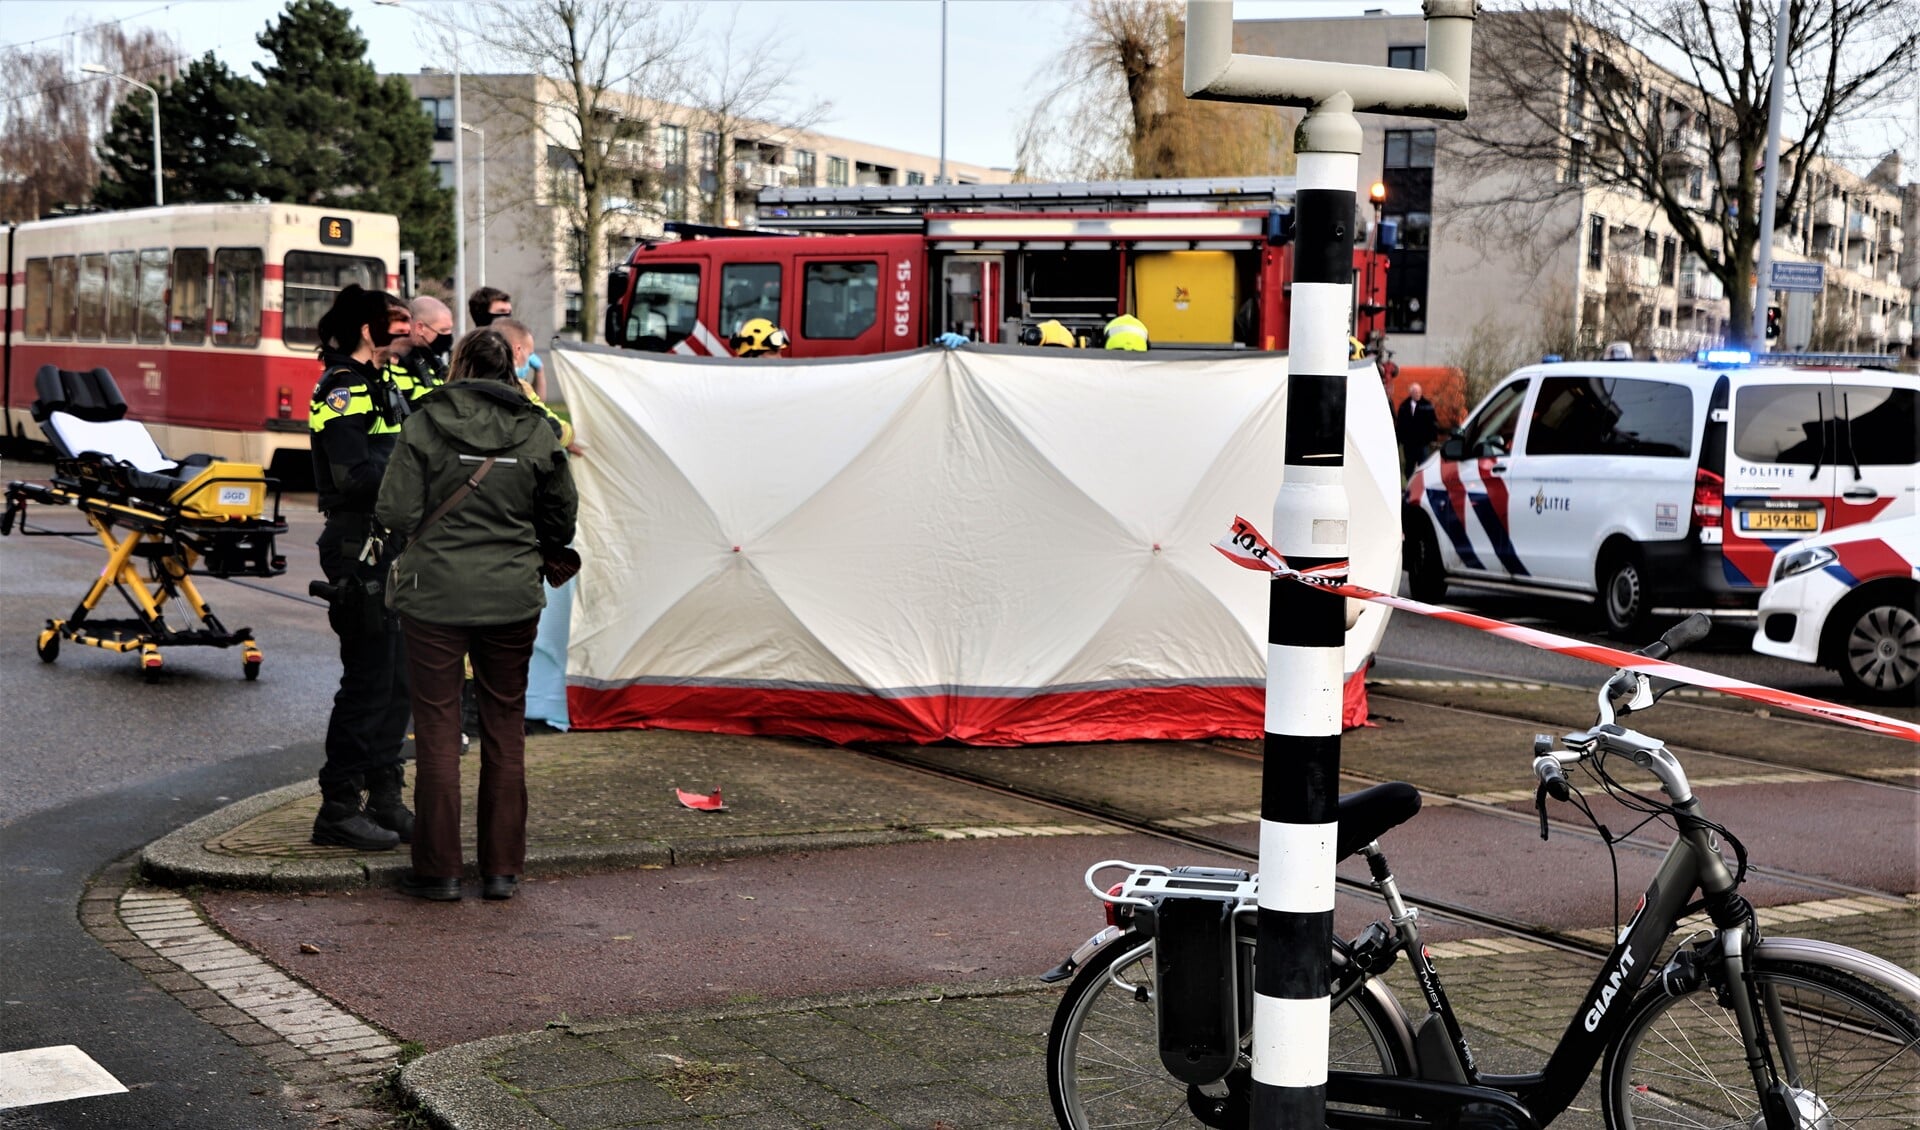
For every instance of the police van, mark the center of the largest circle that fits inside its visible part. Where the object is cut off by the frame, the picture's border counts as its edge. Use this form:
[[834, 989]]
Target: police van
[[1660, 487]]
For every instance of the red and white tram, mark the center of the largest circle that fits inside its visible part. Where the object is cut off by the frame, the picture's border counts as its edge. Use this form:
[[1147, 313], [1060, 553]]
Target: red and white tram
[[203, 313]]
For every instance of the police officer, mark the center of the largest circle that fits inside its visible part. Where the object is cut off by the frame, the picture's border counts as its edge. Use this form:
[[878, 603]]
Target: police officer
[[419, 362], [354, 421]]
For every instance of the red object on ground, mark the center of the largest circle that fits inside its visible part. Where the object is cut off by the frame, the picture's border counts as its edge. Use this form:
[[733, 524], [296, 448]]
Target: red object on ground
[[1353, 700], [704, 802]]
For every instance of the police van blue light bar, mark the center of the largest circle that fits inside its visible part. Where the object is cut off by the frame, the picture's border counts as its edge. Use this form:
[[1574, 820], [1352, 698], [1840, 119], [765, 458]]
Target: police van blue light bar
[[1725, 357]]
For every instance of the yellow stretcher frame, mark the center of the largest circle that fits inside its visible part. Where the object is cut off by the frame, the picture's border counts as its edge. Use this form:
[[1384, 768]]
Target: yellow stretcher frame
[[215, 524]]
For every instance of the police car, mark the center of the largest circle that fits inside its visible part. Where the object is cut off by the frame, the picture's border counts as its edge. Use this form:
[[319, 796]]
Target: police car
[[1850, 600], [1659, 487]]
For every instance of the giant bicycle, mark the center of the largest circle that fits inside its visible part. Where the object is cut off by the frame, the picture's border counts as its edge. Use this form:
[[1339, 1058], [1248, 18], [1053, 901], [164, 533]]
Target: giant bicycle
[[1720, 1027]]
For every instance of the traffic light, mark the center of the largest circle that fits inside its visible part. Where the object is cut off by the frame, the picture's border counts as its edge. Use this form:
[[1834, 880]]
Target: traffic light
[[1773, 322]]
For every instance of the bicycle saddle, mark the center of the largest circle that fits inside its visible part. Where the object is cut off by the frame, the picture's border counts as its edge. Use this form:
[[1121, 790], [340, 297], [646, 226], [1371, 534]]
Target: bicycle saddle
[[1369, 813]]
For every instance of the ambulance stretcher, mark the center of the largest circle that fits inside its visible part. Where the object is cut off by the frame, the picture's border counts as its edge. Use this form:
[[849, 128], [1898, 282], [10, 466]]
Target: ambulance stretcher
[[198, 516]]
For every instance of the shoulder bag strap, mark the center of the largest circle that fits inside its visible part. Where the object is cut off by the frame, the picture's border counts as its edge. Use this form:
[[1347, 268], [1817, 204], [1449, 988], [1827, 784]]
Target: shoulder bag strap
[[466, 489]]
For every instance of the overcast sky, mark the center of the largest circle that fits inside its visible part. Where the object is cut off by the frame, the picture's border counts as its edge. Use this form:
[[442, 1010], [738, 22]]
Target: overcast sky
[[876, 61]]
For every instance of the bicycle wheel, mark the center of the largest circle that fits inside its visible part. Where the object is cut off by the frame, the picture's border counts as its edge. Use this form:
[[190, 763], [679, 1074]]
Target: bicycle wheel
[[1103, 1058], [1848, 1050]]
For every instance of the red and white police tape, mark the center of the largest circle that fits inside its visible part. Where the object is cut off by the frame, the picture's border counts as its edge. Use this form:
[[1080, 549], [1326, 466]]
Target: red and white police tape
[[1245, 547]]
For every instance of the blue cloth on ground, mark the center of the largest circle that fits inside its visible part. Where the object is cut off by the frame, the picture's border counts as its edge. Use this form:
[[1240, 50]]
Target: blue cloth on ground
[[547, 672]]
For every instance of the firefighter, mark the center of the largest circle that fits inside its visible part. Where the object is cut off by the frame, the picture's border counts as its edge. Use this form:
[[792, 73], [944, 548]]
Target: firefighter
[[1128, 333], [420, 359], [354, 421], [758, 337], [1052, 333]]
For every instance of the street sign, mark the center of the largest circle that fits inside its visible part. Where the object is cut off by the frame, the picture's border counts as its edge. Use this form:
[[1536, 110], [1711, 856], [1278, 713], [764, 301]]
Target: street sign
[[1809, 277]]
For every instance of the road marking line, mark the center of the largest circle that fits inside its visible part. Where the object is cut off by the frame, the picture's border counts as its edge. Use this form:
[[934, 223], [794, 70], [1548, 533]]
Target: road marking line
[[1783, 777], [997, 830], [52, 1075], [251, 984]]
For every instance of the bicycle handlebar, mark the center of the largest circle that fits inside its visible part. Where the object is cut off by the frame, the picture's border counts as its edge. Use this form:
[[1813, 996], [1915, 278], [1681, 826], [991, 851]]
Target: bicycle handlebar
[[1682, 635]]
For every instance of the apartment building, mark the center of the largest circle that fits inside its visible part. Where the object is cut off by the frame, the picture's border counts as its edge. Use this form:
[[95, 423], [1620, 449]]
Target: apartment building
[[1591, 265], [518, 150]]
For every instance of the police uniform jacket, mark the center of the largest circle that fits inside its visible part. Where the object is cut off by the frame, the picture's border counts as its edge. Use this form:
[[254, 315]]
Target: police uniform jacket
[[418, 373], [353, 423]]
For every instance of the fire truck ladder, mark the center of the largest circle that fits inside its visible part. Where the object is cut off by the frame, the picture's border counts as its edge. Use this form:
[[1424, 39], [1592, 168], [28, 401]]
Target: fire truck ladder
[[902, 208]]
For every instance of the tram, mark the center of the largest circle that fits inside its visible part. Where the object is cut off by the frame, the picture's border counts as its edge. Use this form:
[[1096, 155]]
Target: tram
[[205, 314]]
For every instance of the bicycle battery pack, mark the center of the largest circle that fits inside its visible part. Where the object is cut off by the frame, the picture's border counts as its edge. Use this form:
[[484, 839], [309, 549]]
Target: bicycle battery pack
[[1197, 1000]]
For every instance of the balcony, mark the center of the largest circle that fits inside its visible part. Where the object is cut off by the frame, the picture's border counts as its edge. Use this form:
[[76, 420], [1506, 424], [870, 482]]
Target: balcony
[[1685, 148], [1873, 325], [1829, 213], [761, 174], [1859, 228], [1901, 332], [1701, 285], [1892, 278], [1892, 234]]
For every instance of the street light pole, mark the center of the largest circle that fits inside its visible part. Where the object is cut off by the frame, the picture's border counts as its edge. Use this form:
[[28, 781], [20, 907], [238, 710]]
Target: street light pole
[[481, 214], [159, 195], [1769, 186], [459, 178]]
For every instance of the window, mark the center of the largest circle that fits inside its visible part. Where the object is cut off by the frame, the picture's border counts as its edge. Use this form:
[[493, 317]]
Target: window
[[916, 178], [1596, 242], [673, 201], [65, 276], [570, 319], [1669, 261], [842, 300], [443, 170], [92, 296], [1416, 231], [1409, 149], [1408, 58], [1880, 424], [836, 171], [709, 149], [1649, 246], [806, 168], [748, 291], [1611, 416], [440, 112], [123, 289], [187, 313], [1491, 430], [662, 312], [1665, 318], [1576, 161], [1696, 184], [39, 284], [236, 296], [153, 295], [673, 146], [1782, 423], [312, 278]]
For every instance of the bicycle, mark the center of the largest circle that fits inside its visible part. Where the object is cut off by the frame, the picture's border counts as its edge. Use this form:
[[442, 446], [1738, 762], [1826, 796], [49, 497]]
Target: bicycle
[[1730, 1030]]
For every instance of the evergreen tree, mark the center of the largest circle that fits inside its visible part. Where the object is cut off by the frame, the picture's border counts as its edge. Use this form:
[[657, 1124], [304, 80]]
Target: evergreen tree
[[334, 133], [205, 153]]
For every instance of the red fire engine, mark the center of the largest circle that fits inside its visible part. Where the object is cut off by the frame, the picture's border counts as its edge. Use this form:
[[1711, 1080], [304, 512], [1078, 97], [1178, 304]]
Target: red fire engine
[[1204, 263]]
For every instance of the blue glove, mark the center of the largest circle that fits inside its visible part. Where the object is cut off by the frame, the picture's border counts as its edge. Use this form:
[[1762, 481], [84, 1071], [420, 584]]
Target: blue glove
[[534, 363], [952, 340]]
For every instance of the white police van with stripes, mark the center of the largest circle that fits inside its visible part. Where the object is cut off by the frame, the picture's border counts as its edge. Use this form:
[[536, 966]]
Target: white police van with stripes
[[1651, 487]]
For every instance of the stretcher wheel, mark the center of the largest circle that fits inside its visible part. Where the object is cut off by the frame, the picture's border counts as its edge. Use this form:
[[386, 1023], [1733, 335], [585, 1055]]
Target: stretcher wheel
[[150, 665], [250, 667], [48, 646]]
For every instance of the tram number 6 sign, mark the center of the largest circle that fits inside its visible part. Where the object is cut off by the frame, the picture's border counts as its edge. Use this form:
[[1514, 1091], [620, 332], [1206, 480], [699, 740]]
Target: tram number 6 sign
[[336, 231]]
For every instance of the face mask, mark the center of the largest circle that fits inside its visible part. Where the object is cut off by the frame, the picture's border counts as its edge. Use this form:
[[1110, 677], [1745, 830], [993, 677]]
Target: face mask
[[382, 333], [441, 346], [524, 372]]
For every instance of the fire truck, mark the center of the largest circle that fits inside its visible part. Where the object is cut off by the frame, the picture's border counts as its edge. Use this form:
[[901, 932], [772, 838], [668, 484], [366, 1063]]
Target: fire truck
[[1205, 263]]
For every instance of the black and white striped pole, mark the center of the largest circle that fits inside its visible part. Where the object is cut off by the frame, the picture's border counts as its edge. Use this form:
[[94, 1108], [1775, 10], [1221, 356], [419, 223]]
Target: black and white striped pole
[[1305, 627]]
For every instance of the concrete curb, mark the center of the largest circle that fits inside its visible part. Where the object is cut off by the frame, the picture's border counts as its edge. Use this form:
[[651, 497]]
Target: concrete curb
[[181, 858], [455, 1090]]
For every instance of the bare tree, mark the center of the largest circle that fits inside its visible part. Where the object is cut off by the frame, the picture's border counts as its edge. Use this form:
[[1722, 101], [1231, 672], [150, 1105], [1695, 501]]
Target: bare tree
[[597, 65], [53, 114], [740, 94], [1667, 101], [1110, 105]]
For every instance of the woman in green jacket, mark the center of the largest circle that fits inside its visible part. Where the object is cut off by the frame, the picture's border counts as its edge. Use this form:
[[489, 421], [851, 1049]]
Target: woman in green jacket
[[468, 584]]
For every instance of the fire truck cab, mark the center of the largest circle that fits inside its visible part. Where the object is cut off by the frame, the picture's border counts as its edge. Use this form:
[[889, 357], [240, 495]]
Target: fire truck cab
[[845, 271]]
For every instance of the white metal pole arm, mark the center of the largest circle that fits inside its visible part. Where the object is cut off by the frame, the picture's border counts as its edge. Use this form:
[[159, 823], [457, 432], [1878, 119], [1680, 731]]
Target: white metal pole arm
[[1215, 73]]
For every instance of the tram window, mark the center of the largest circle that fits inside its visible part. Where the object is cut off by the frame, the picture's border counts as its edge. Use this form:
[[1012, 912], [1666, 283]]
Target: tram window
[[123, 284], [60, 319], [236, 296], [92, 296], [841, 300], [748, 291], [187, 313], [153, 294], [311, 280], [39, 282]]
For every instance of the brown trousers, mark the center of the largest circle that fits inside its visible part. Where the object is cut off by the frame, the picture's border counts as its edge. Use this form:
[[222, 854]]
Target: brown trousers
[[500, 655]]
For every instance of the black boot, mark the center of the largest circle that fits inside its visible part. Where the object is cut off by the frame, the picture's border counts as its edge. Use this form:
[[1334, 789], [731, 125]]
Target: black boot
[[342, 821], [385, 788]]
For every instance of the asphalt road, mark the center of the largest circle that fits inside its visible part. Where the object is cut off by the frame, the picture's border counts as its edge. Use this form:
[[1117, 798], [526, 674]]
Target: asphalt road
[[95, 763]]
